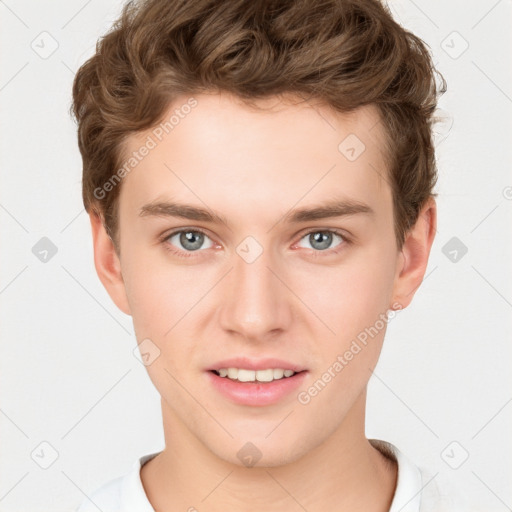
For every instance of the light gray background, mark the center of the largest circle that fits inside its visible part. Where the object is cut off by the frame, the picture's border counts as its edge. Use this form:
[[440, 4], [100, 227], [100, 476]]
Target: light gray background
[[69, 378]]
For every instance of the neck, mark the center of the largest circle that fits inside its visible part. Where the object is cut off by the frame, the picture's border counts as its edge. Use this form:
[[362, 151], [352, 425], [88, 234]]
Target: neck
[[344, 473]]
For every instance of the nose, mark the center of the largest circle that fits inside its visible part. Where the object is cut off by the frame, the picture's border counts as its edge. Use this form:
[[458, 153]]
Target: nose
[[256, 303]]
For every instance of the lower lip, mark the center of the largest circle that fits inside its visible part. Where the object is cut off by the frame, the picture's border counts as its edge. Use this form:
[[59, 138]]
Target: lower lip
[[256, 393]]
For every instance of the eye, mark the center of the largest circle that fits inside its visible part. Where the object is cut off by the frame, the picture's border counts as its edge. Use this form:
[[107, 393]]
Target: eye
[[187, 240], [321, 240]]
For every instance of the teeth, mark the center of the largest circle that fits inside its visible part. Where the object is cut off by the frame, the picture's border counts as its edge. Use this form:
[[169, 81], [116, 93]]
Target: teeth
[[278, 373], [243, 375], [262, 375]]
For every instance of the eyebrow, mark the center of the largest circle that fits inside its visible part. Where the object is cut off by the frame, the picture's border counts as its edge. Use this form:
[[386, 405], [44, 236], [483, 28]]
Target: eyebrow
[[333, 208]]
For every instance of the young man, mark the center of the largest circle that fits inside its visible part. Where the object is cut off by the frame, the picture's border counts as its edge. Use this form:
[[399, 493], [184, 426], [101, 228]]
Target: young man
[[259, 178]]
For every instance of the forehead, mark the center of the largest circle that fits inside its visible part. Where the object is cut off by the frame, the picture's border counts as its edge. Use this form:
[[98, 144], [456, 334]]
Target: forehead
[[223, 152]]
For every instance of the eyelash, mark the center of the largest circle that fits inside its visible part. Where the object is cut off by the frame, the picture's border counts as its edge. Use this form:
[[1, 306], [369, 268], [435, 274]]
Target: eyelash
[[316, 253]]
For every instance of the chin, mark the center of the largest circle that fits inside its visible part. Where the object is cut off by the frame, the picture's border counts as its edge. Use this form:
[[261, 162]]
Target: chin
[[259, 450]]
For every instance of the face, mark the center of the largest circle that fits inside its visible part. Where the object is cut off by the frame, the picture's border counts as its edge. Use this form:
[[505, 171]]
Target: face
[[293, 258]]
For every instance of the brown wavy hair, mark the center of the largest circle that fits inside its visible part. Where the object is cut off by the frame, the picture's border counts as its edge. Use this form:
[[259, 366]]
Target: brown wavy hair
[[342, 53]]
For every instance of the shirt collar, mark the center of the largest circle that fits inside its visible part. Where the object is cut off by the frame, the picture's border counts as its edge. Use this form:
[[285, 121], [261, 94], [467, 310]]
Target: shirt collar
[[133, 495]]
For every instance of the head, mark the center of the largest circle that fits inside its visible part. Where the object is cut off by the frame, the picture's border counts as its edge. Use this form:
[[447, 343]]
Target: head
[[265, 117]]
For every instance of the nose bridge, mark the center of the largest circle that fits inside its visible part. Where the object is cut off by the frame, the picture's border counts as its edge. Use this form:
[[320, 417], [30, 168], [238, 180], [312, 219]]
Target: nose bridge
[[256, 302]]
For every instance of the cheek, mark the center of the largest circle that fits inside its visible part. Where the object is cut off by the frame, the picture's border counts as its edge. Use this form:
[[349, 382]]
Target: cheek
[[162, 304], [158, 295], [353, 304], [351, 297], [352, 301]]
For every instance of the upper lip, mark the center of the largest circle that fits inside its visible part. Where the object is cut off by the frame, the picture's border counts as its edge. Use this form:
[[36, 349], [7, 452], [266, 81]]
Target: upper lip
[[256, 364]]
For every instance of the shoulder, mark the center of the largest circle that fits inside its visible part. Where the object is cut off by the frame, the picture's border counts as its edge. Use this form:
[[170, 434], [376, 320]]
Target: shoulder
[[106, 498]]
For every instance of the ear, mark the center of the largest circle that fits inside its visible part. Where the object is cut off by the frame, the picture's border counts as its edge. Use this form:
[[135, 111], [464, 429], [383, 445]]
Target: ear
[[107, 263], [413, 258]]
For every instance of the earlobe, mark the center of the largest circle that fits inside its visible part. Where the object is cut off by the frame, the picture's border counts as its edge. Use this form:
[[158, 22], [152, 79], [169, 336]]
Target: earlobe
[[413, 258], [107, 263]]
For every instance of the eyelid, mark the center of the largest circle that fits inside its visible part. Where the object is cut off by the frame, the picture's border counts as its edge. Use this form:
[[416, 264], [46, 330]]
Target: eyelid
[[340, 232]]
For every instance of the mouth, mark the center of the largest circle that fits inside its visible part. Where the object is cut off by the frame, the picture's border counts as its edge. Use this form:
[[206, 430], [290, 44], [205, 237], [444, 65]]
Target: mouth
[[244, 375], [256, 388]]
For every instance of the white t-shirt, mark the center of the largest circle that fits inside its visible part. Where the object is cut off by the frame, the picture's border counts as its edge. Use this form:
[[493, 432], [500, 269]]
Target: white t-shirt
[[416, 491]]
